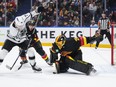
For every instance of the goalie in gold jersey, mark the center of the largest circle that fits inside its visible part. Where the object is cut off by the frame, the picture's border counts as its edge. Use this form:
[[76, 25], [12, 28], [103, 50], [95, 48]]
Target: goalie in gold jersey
[[71, 54]]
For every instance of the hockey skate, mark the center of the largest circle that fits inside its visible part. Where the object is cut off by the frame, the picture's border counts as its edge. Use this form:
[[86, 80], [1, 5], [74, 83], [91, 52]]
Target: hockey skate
[[48, 62], [24, 62], [35, 68]]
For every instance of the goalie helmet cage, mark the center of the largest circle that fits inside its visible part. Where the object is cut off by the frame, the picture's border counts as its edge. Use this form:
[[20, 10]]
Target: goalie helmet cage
[[113, 45]]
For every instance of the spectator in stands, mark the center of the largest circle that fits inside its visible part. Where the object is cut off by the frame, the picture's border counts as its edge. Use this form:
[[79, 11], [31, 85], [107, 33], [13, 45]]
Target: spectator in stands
[[10, 11], [76, 21], [93, 24], [92, 8], [86, 16], [1, 22], [112, 17]]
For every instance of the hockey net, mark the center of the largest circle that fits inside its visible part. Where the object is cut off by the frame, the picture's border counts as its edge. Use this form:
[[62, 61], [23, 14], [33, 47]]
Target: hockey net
[[113, 46]]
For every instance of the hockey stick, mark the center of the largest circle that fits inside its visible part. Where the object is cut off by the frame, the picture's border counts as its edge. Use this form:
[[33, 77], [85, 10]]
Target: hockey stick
[[7, 66]]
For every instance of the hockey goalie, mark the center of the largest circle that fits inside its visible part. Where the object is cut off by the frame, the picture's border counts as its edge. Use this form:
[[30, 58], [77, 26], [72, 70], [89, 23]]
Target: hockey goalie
[[71, 54]]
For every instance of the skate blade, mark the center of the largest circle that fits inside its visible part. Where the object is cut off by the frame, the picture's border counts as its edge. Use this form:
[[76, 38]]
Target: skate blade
[[37, 71]]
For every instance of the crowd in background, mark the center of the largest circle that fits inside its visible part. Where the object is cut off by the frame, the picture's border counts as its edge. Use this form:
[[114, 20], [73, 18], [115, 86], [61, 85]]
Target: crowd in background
[[66, 14], [7, 11], [69, 12]]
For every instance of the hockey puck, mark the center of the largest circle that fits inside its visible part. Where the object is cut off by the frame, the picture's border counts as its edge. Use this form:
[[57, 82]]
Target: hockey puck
[[54, 73]]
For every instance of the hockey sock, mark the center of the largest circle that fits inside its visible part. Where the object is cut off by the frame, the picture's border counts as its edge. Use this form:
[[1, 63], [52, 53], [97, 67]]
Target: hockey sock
[[32, 60]]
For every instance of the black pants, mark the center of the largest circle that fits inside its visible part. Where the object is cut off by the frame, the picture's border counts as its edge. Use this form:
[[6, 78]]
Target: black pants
[[37, 46], [8, 45], [103, 32], [39, 49]]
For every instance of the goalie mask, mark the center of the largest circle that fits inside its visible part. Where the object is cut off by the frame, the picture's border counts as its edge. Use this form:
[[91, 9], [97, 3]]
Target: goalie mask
[[60, 41]]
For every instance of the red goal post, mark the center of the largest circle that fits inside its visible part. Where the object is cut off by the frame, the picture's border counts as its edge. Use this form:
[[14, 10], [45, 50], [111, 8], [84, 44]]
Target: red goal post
[[113, 45]]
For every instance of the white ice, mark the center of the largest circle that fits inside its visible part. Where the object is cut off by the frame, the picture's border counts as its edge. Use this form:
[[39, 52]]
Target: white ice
[[25, 77]]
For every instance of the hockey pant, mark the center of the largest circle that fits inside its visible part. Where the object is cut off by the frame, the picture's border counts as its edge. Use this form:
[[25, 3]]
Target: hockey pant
[[38, 47], [8, 45]]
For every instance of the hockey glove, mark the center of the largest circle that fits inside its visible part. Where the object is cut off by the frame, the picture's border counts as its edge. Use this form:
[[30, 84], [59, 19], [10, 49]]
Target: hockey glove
[[55, 48], [53, 56], [97, 33], [40, 9], [29, 36]]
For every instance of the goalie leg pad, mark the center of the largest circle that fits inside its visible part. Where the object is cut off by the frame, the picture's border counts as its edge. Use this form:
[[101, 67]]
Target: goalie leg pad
[[60, 67], [79, 65]]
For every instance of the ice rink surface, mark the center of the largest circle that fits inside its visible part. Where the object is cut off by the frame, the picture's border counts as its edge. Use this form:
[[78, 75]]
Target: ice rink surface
[[26, 77]]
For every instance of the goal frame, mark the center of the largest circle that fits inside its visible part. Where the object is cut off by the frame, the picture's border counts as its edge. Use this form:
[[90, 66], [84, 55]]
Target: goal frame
[[112, 45]]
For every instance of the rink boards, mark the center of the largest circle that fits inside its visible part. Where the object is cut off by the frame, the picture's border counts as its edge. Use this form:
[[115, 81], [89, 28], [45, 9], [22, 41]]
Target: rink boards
[[48, 34]]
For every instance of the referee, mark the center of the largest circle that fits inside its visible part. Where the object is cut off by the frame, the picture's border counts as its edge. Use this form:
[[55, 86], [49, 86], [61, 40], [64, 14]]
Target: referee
[[103, 29]]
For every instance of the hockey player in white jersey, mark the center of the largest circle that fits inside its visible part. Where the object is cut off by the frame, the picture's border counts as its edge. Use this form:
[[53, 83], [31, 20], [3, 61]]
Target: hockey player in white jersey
[[16, 35]]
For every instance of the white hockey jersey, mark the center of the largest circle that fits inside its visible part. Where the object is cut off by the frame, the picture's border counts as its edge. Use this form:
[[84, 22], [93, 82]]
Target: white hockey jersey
[[18, 34]]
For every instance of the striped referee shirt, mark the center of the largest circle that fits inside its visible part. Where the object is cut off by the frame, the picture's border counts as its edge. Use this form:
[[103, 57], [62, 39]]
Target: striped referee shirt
[[104, 23]]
